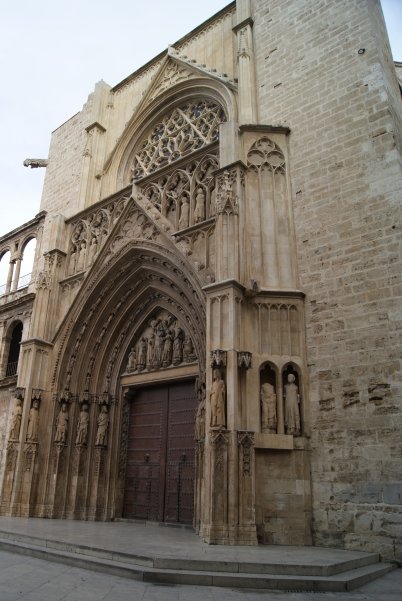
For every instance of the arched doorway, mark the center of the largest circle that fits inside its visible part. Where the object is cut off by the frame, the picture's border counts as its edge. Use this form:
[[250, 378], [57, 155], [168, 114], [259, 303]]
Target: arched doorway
[[159, 482]]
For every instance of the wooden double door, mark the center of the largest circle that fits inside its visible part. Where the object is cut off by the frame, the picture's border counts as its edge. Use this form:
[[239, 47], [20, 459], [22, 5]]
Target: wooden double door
[[160, 458]]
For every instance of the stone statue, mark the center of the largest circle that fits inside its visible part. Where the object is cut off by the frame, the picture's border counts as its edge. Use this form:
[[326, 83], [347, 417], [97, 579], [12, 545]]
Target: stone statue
[[72, 262], [93, 249], [167, 349], [268, 408], [132, 360], [200, 415], [81, 257], [184, 214], [82, 426], [199, 211], [142, 354], [158, 349], [177, 346], [103, 425], [33, 422], [150, 351], [217, 400], [188, 351], [61, 425], [292, 407], [16, 421]]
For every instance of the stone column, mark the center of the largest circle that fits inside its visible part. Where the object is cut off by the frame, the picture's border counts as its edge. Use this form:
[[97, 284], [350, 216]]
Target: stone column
[[245, 59], [9, 276], [16, 276]]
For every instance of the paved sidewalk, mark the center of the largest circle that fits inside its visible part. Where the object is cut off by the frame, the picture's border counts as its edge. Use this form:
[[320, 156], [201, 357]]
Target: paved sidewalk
[[24, 578]]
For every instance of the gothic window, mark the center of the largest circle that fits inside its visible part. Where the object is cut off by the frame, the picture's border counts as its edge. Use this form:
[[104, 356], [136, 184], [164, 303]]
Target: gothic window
[[14, 350], [189, 127]]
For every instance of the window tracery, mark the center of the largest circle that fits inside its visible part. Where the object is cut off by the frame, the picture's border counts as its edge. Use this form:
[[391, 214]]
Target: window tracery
[[189, 127]]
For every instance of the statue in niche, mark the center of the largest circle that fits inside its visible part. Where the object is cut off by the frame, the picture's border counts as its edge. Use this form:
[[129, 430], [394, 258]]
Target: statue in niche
[[142, 354], [199, 211], [188, 350], [103, 425], [292, 407], [16, 421], [82, 426], [167, 349], [217, 399], [81, 257], [93, 249], [150, 351], [268, 408], [200, 415], [132, 360], [184, 214], [158, 349], [33, 422], [73, 261], [177, 345], [61, 425]]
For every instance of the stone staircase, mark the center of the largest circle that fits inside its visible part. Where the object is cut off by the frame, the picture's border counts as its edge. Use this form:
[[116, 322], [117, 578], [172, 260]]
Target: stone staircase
[[329, 570]]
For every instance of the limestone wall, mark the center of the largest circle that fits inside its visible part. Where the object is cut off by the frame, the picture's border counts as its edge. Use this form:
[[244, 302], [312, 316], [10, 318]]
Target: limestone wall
[[344, 113]]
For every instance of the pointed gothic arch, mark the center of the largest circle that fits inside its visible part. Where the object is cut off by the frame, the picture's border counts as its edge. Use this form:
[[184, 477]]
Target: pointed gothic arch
[[117, 167]]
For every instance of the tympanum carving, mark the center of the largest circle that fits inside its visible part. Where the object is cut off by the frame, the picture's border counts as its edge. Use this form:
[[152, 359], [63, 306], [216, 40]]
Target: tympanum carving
[[163, 342]]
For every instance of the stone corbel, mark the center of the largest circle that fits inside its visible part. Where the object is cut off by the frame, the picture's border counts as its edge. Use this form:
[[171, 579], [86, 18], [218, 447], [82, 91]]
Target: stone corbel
[[218, 358], [19, 393], [36, 394], [244, 359]]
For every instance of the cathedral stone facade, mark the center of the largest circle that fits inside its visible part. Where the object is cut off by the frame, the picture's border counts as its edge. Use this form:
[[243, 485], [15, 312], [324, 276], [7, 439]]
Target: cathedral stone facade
[[212, 331]]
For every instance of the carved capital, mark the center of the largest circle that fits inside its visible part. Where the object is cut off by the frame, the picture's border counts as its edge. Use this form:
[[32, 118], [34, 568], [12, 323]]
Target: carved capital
[[244, 359], [219, 437], [246, 441], [218, 358]]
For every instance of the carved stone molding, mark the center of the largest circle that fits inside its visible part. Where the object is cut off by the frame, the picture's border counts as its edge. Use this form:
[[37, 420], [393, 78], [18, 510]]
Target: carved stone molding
[[227, 201], [218, 358], [246, 440], [244, 359]]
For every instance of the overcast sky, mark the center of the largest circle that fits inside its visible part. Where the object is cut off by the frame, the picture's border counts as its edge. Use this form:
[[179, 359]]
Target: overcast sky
[[53, 52]]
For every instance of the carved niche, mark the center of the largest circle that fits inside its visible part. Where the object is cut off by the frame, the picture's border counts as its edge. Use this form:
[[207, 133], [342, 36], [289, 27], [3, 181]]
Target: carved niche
[[89, 234], [162, 343]]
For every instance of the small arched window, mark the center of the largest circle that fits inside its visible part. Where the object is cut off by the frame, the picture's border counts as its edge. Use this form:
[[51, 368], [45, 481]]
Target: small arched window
[[28, 255], [14, 350], [4, 269]]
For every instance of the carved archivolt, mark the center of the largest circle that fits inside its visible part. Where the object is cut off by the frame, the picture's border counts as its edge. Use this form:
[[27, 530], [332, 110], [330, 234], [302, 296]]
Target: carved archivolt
[[188, 128]]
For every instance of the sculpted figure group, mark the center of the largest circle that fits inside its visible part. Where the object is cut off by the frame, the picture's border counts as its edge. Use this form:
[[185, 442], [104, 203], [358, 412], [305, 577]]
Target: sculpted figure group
[[162, 343], [291, 407]]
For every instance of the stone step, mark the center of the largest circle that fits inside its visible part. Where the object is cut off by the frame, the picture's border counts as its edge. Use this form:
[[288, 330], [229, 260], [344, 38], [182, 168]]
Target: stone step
[[117, 564], [289, 567]]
